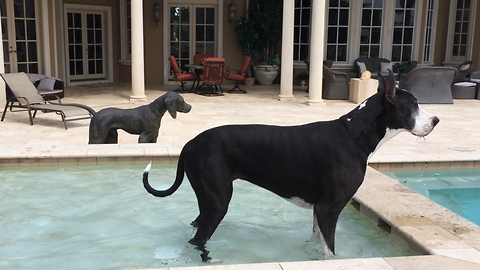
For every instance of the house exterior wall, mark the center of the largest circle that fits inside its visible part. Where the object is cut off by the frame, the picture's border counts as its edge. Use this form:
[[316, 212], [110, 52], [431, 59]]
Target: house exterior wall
[[442, 32], [154, 38], [476, 42]]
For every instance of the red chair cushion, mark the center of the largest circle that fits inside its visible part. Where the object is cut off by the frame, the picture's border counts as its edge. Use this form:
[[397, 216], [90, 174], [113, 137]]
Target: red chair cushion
[[185, 76], [234, 77]]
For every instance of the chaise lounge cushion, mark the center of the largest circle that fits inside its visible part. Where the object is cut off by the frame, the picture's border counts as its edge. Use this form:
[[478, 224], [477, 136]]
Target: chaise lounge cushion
[[43, 84]]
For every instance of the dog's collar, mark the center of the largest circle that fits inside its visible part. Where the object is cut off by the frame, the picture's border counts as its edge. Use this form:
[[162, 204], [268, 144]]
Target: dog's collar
[[154, 110]]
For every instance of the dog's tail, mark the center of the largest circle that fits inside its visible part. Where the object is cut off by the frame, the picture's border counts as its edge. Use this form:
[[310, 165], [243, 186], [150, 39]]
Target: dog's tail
[[172, 189]]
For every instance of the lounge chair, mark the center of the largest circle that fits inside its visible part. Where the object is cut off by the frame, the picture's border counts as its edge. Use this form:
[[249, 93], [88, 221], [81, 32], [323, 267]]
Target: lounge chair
[[430, 84], [28, 99]]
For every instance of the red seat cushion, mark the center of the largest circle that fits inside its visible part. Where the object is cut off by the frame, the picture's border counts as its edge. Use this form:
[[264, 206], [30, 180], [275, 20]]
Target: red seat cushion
[[234, 77], [185, 76]]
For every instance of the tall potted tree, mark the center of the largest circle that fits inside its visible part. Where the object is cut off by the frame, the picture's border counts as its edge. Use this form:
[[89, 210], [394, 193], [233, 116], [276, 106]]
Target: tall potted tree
[[259, 35]]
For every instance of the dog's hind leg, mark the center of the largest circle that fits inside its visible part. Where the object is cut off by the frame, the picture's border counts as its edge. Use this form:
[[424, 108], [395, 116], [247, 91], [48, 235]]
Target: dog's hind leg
[[213, 206], [112, 136]]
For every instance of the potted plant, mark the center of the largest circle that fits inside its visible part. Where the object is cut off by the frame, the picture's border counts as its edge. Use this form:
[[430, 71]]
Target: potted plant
[[259, 35], [403, 67], [302, 78]]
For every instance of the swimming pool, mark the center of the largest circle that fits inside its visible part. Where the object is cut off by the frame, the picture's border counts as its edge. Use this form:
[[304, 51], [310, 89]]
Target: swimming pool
[[456, 190], [101, 217]]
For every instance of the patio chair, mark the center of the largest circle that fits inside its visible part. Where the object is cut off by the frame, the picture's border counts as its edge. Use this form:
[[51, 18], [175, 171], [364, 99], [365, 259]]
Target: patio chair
[[462, 87], [238, 76], [199, 57], [181, 77], [27, 98], [336, 85], [212, 77], [475, 77], [430, 84]]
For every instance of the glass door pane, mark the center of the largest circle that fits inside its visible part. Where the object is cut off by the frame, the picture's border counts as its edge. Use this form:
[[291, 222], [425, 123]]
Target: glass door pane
[[74, 44], [461, 31], [180, 35], [94, 44], [403, 30], [205, 30], [192, 30], [19, 28], [85, 42], [371, 29]]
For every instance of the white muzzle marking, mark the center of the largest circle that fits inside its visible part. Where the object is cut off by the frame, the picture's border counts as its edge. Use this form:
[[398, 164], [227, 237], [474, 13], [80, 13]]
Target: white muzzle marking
[[423, 123]]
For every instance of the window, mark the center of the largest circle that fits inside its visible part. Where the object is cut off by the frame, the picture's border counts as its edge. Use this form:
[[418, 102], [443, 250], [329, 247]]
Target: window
[[126, 31], [403, 27], [337, 31], [429, 32], [460, 36], [371, 28], [301, 34]]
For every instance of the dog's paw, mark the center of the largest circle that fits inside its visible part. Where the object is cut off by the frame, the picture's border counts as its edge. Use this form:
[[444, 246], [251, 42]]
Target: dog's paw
[[212, 261]]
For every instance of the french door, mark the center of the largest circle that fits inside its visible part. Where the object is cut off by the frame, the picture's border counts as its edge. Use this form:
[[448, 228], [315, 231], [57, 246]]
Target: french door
[[19, 35], [192, 30], [85, 44]]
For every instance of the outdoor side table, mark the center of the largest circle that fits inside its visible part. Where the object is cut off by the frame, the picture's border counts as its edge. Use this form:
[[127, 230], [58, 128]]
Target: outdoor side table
[[362, 89]]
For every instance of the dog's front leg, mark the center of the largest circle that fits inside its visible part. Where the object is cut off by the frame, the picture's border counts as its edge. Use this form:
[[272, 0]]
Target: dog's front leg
[[150, 137], [325, 222]]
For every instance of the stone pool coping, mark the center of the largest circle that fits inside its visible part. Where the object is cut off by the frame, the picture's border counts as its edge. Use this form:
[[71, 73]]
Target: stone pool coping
[[448, 239]]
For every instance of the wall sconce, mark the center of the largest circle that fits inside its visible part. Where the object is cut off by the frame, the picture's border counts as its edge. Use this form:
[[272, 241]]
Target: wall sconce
[[232, 11], [157, 9]]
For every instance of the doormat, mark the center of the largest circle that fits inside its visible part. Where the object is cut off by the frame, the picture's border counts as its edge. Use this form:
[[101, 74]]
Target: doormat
[[95, 85]]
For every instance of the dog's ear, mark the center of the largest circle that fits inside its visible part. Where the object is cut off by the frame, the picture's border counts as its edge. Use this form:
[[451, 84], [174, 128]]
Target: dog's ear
[[390, 90], [171, 104], [381, 83]]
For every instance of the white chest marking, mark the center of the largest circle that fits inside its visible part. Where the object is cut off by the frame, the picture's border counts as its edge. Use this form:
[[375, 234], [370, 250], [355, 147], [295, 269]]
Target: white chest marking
[[299, 202], [389, 133]]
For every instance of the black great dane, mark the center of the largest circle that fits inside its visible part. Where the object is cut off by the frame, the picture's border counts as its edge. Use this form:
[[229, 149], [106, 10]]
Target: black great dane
[[143, 120], [318, 165]]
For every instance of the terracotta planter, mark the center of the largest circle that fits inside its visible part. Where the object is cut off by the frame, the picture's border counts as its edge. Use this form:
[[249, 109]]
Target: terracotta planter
[[265, 74]]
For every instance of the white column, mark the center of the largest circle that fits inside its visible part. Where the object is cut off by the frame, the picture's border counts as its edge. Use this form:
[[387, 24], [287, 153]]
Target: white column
[[138, 68], [286, 79], [316, 52], [2, 82]]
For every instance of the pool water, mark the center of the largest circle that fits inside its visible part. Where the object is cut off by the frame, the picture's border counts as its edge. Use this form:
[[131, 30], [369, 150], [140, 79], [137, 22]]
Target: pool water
[[456, 190], [101, 217]]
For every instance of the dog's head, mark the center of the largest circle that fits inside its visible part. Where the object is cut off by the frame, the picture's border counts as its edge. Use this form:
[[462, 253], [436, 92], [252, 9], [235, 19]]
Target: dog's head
[[403, 112], [175, 103]]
